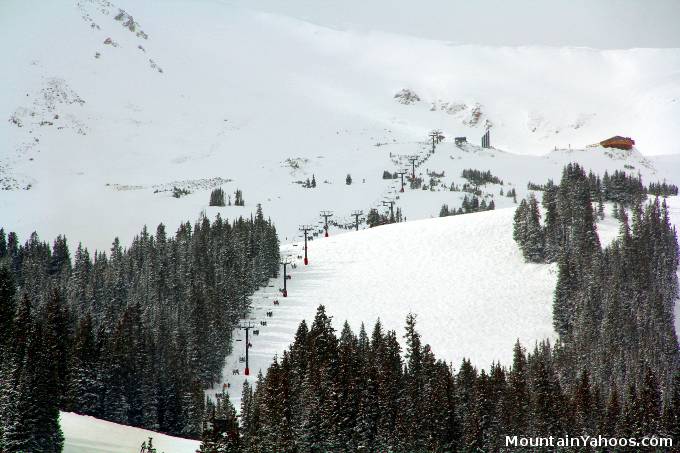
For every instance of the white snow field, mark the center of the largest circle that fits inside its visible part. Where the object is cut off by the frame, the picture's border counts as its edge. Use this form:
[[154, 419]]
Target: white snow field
[[90, 435]]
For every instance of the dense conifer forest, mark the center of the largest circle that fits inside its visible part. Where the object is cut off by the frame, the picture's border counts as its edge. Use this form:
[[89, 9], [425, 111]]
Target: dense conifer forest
[[362, 392], [133, 336], [467, 206], [375, 218], [613, 306]]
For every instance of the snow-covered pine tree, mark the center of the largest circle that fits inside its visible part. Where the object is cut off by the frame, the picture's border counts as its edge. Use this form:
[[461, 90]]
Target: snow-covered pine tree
[[238, 198], [32, 418], [671, 411], [222, 428], [83, 387], [217, 197], [519, 225], [518, 391], [533, 235]]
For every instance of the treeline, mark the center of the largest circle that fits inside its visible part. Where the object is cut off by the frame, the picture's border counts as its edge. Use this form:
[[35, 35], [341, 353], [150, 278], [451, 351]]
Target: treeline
[[374, 218], [619, 187], [480, 178], [613, 306], [217, 198], [133, 336], [360, 393], [626, 189], [468, 206], [662, 189], [534, 186]]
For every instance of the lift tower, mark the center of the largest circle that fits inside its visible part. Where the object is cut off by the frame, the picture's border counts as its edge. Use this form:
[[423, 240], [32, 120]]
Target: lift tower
[[247, 326], [434, 136], [390, 203], [285, 262], [413, 160], [356, 215], [306, 229], [401, 174], [326, 215]]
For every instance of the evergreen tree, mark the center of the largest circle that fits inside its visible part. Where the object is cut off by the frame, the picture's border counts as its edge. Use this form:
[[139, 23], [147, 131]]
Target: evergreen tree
[[32, 422], [238, 198], [373, 218], [83, 386], [534, 239], [57, 342], [583, 406], [133, 336], [7, 307], [612, 418], [518, 389], [671, 412], [222, 432], [217, 197], [650, 404]]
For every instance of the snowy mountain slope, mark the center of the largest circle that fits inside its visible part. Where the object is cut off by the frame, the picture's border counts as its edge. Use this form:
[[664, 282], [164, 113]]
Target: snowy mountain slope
[[108, 106], [463, 276], [93, 125], [516, 171], [89, 435]]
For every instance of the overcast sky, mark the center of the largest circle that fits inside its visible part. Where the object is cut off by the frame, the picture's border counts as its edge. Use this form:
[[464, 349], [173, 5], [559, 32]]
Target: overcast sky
[[605, 24]]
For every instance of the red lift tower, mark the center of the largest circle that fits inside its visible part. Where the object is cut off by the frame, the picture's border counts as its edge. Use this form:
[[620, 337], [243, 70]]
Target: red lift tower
[[247, 326], [306, 229], [401, 174], [326, 215]]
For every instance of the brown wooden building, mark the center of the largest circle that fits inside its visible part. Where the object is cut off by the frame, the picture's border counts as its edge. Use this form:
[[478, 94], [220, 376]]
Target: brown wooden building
[[618, 142]]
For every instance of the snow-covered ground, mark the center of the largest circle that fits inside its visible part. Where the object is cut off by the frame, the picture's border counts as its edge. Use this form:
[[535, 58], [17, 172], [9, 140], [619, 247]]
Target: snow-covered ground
[[89, 435]]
